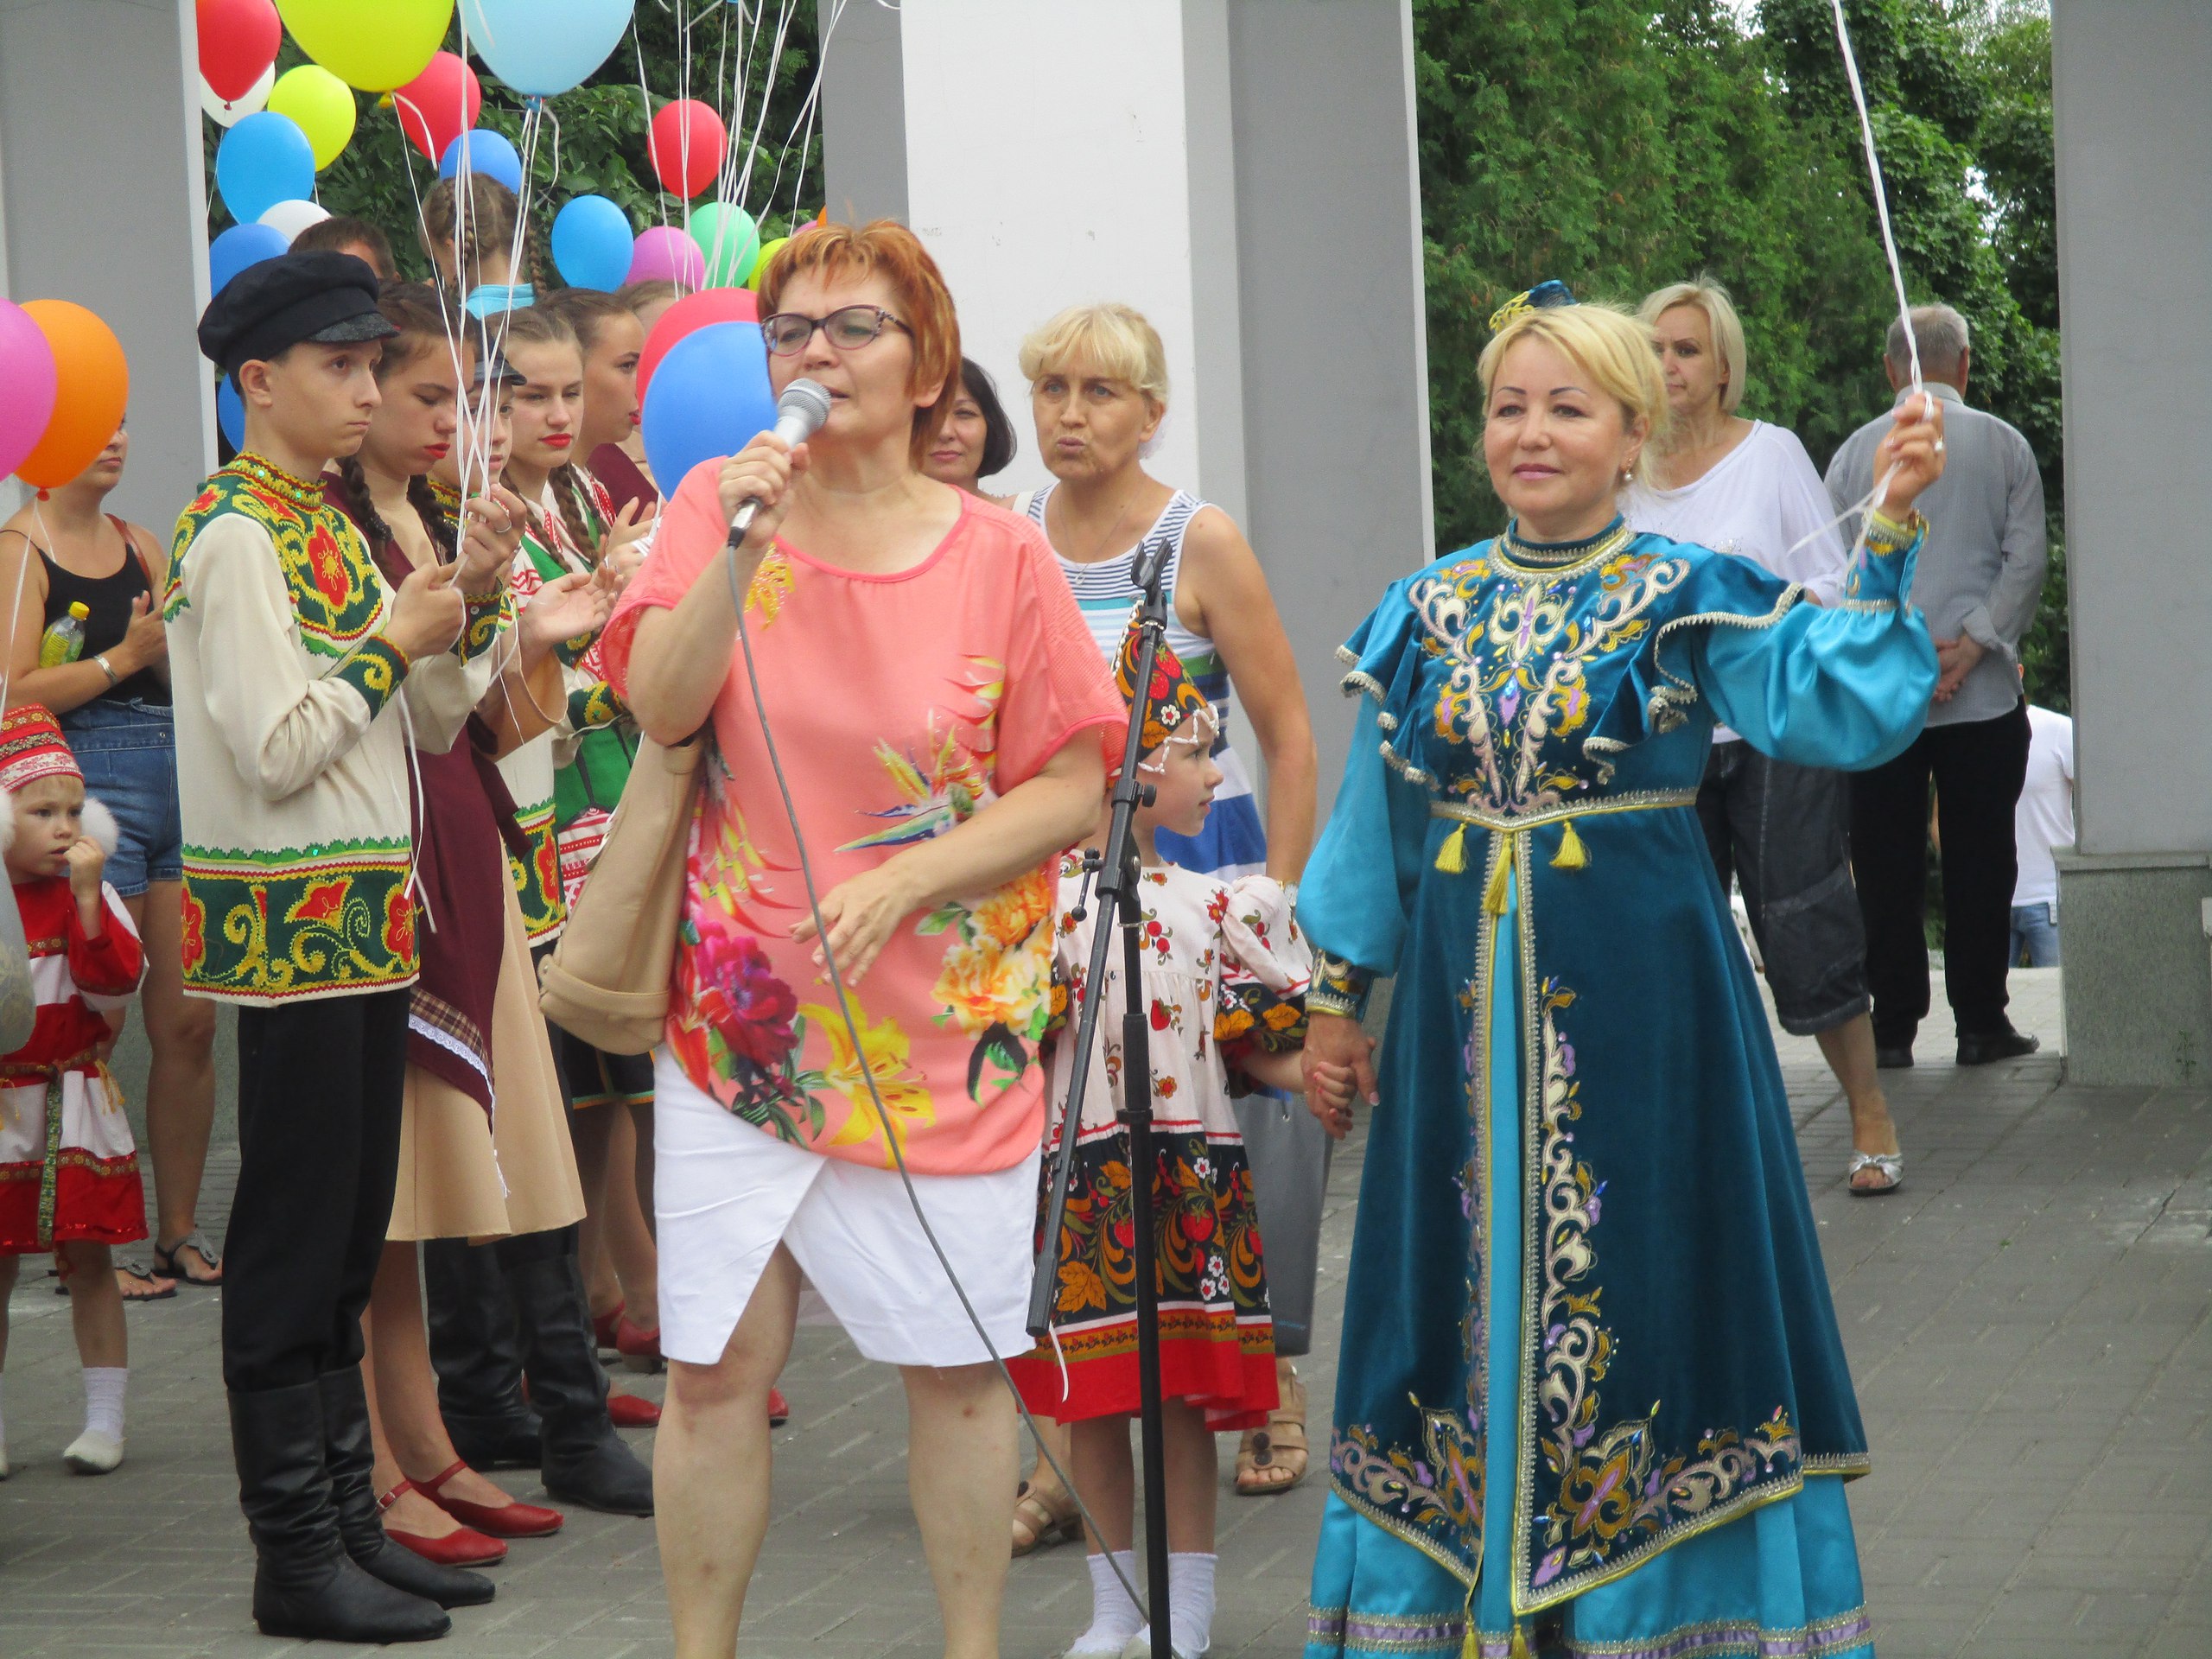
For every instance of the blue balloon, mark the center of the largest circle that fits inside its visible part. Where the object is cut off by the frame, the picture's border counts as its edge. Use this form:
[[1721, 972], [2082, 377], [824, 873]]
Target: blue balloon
[[592, 243], [263, 160], [230, 412], [241, 246], [542, 46], [489, 153], [709, 397]]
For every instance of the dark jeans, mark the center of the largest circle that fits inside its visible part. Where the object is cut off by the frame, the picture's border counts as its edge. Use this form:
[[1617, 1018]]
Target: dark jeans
[[319, 1094], [1779, 828], [1978, 767]]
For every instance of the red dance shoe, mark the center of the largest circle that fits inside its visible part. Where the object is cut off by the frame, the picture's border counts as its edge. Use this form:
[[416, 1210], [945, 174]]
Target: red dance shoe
[[630, 1411], [639, 1348], [509, 1519], [605, 1326], [779, 1409], [461, 1548]]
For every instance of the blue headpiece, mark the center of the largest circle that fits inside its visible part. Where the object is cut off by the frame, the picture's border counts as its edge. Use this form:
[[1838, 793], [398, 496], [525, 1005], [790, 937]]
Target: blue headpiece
[[1541, 297]]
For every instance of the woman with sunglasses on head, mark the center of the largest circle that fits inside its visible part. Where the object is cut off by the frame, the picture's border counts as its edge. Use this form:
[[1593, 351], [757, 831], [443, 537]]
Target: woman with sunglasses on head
[[112, 700], [947, 728]]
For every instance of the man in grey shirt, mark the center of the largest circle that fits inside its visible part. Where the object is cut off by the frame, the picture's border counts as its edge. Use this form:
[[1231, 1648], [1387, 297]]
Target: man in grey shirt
[[1978, 579]]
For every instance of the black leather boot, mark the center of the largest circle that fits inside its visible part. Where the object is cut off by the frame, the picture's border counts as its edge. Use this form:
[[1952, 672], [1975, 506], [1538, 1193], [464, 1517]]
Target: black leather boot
[[350, 1455], [305, 1585], [584, 1460], [479, 1361]]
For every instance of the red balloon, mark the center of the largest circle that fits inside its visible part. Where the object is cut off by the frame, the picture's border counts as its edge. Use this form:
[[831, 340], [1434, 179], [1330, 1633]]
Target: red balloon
[[237, 42], [686, 146], [439, 105], [688, 315]]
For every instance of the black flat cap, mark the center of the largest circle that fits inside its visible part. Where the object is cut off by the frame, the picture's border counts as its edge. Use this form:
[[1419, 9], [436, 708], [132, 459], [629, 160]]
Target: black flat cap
[[327, 298]]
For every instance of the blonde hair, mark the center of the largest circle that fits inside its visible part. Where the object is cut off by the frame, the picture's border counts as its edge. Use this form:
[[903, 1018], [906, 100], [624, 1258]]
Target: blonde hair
[[1614, 349], [1112, 339], [1720, 317]]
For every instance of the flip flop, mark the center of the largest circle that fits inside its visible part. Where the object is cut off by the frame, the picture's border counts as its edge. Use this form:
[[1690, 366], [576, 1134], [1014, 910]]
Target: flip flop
[[1890, 1165], [138, 1282]]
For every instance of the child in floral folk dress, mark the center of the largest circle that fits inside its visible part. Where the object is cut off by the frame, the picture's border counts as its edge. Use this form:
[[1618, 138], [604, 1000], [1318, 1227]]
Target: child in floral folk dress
[[68, 1172], [1225, 979]]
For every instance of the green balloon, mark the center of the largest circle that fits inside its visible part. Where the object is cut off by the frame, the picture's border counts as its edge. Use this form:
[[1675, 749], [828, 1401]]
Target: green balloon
[[739, 238], [767, 253]]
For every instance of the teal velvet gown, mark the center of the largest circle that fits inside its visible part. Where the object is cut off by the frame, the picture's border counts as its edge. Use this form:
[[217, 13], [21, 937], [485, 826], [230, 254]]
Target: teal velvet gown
[[1591, 1399]]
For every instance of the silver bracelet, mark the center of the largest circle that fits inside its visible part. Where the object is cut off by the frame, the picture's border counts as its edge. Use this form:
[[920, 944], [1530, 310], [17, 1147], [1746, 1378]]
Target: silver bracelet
[[107, 668]]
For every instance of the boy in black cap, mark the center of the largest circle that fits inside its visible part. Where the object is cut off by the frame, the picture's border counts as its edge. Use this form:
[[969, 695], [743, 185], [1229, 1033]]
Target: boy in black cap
[[289, 652]]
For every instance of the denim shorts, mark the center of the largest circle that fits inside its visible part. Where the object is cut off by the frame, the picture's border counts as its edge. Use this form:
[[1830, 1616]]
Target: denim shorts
[[127, 751]]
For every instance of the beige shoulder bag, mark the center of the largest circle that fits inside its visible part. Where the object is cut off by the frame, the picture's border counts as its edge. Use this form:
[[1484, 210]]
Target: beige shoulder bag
[[607, 980]]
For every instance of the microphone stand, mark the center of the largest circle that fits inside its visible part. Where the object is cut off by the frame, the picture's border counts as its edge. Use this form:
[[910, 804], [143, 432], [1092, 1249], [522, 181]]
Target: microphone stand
[[1119, 871]]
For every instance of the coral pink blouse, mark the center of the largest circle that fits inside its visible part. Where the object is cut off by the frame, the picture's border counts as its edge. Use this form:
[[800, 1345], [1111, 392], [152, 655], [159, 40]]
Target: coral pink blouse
[[901, 705]]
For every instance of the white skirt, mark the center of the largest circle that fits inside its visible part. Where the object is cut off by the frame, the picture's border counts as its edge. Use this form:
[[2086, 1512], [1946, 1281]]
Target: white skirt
[[725, 1194]]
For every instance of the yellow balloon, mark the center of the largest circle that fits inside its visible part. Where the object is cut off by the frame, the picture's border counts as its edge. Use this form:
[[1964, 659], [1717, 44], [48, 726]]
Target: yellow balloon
[[373, 45], [323, 106], [761, 263]]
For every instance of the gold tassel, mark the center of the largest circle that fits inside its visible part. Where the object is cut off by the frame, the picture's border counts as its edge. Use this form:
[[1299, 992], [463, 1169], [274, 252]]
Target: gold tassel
[[1452, 856], [1470, 1647], [1571, 855], [1501, 875], [1520, 1649]]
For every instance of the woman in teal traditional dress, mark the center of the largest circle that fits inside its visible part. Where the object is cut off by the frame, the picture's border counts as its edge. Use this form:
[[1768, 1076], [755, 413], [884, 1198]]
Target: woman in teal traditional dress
[[1593, 1398]]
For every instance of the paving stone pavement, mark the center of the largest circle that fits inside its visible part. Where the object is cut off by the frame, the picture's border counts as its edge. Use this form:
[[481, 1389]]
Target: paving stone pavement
[[2026, 1319]]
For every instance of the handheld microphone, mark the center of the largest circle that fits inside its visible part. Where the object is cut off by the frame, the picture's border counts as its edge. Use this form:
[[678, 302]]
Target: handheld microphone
[[800, 414]]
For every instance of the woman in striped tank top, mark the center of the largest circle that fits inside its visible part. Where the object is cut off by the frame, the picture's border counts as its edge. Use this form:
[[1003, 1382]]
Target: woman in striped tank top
[[1098, 390]]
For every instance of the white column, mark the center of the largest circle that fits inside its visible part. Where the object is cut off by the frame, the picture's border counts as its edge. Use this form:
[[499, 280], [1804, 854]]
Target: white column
[[1051, 160], [105, 204]]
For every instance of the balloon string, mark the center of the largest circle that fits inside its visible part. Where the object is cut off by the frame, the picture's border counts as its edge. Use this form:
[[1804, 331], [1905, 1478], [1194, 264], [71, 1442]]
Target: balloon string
[[1856, 560]]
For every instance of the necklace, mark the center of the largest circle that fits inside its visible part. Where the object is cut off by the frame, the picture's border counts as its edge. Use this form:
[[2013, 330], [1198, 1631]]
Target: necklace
[[1098, 551]]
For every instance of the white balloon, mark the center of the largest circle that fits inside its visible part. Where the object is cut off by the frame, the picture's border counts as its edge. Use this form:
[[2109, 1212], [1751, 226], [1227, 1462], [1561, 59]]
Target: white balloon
[[289, 218], [230, 114]]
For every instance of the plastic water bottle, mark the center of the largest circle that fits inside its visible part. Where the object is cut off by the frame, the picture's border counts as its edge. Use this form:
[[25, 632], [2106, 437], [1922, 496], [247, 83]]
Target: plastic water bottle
[[64, 638]]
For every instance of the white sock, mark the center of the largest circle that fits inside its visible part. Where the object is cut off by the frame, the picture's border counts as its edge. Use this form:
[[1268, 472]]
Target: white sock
[[1189, 1602], [104, 1399], [1114, 1617]]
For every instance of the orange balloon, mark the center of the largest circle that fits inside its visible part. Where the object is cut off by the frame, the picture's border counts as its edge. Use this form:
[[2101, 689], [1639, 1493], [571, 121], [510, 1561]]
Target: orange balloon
[[92, 388]]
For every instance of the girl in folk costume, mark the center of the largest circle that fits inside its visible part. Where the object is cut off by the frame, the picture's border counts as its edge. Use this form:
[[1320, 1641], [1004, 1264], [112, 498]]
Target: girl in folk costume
[[582, 767], [1226, 975], [68, 1173]]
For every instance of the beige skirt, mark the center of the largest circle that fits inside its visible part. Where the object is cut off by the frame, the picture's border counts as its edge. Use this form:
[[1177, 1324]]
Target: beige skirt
[[461, 1176]]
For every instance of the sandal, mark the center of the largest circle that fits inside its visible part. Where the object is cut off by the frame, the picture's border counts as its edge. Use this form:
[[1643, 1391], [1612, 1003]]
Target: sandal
[[166, 1264], [1890, 1165], [136, 1281], [1039, 1521], [1280, 1445]]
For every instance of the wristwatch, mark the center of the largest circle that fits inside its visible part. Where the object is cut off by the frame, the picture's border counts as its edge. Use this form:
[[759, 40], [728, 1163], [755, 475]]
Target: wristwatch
[[107, 668]]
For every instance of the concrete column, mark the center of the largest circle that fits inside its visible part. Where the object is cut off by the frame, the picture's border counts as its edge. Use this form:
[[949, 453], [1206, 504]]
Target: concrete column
[[1243, 172], [2134, 176], [104, 203]]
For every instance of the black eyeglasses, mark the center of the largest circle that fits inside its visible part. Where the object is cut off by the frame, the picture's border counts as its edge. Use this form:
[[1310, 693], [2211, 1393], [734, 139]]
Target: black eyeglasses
[[847, 328]]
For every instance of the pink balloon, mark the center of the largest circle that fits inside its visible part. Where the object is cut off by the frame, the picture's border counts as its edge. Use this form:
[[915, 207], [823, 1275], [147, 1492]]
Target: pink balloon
[[687, 316], [27, 370], [668, 255]]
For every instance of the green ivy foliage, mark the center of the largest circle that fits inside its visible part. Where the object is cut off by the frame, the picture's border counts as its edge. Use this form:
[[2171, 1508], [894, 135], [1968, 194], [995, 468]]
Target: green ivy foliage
[[1622, 145]]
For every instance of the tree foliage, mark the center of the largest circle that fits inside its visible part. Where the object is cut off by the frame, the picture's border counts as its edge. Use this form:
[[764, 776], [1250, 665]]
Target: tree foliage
[[1622, 145]]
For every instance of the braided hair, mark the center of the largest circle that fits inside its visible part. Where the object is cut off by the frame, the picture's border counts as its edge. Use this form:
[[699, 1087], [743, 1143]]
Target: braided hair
[[543, 325], [489, 233], [424, 324]]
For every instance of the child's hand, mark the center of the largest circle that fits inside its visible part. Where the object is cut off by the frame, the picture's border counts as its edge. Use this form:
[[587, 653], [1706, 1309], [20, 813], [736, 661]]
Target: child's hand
[[87, 861]]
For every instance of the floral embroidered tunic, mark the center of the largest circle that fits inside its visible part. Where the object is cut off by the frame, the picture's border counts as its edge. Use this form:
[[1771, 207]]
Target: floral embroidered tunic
[[1591, 1366], [68, 1169], [1225, 970], [901, 705], [291, 754]]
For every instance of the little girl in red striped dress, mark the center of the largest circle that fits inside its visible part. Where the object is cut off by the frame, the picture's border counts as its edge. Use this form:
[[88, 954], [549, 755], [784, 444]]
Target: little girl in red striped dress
[[68, 1170]]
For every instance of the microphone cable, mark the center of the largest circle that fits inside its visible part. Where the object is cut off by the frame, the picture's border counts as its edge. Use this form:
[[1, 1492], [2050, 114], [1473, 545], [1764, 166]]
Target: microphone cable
[[883, 1112]]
